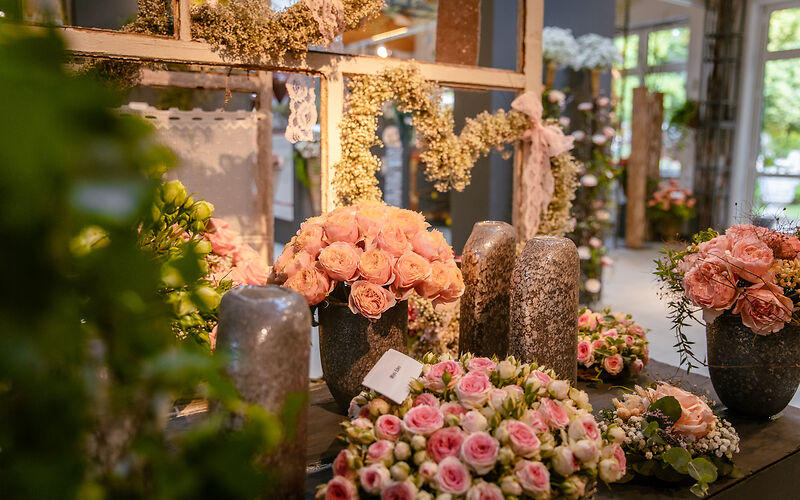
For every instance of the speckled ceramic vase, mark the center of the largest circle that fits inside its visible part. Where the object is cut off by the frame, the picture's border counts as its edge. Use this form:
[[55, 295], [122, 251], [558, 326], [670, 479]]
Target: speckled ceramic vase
[[753, 375], [351, 344], [265, 331], [544, 305], [486, 263]]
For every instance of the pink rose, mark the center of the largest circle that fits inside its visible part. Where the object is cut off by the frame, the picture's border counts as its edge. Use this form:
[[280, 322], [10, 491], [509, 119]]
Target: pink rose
[[613, 364], [341, 465], [427, 399], [223, 240], [598, 344], [584, 427], [479, 451], [310, 239], [445, 443], [340, 261], [564, 462], [409, 271], [474, 421], [369, 299], [409, 221], [473, 389], [637, 366], [553, 414], [750, 258], [433, 379], [619, 456], [585, 450], [423, 420], [612, 332], [244, 253], [369, 220], [431, 245], [250, 273], [401, 490], [380, 451], [688, 262], [484, 365], [374, 478], [311, 283], [715, 248], [455, 287], [587, 319], [297, 262], [340, 488], [453, 409], [392, 240], [696, 420], [784, 246], [497, 397], [536, 421], [764, 308], [741, 231], [453, 476], [523, 438], [636, 330], [585, 352], [438, 281], [341, 225], [482, 490], [376, 266], [629, 340], [427, 470], [388, 427], [532, 476], [542, 377], [711, 286]]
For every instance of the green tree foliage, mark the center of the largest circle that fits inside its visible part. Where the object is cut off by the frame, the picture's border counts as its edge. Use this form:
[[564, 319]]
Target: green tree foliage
[[88, 359]]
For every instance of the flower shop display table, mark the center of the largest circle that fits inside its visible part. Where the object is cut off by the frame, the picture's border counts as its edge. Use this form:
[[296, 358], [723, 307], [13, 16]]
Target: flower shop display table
[[769, 459]]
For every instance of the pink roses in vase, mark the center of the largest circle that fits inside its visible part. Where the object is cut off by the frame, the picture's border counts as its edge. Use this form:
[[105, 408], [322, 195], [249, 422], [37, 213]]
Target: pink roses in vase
[[608, 343], [373, 255], [475, 428]]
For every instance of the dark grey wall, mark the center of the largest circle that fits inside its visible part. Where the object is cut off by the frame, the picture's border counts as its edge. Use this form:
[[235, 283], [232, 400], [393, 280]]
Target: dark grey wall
[[103, 13]]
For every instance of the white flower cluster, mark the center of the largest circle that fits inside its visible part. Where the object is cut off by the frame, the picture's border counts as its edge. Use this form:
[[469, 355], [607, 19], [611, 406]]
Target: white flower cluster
[[595, 52], [559, 46]]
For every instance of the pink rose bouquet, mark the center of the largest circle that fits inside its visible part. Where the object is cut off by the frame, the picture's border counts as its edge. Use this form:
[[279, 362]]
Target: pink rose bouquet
[[752, 272], [475, 428], [609, 344], [665, 431], [369, 256], [671, 200]]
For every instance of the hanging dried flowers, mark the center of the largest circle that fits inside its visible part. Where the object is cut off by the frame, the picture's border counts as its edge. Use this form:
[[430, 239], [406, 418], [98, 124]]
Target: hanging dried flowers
[[448, 158]]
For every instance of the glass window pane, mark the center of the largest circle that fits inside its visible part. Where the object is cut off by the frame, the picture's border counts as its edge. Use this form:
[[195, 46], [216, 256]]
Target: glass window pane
[[623, 91], [673, 85], [784, 30], [780, 133], [670, 45], [629, 47]]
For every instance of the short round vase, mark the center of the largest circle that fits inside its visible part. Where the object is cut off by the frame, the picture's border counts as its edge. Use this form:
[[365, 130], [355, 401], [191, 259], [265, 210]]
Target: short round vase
[[753, 375], [351, 344]]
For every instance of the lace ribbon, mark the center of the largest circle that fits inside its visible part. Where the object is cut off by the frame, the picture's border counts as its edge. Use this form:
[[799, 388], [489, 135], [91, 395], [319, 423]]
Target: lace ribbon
[[302, 107], [541, 142], [329, 15]]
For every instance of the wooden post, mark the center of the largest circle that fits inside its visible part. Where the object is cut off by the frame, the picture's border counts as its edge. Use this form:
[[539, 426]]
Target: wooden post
[[331, 110], [635, 216], [265, 172], [655, 116]]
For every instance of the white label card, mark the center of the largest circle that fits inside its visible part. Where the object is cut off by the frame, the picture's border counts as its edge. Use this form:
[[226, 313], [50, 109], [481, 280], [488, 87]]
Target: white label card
[[391, 375]]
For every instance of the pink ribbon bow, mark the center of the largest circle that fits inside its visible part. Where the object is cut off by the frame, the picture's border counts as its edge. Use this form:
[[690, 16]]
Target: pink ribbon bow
[[536, 182]]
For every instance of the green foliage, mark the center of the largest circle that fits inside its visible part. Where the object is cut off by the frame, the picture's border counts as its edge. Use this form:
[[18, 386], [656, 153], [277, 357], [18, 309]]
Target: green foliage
[[669, 406], [88, 360]]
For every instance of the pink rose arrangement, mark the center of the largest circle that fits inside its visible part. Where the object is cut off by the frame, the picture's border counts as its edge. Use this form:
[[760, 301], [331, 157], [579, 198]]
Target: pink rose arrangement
[[676, 429], [672, 199], [230, 258], [609, 344], [750, 271], [475, 428], [370, 256]]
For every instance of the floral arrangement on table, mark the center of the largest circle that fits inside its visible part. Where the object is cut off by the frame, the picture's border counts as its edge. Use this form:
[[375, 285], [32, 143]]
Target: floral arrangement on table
[[670, 204], [558, 49], [448, 158], [750, 271], [609, 343], [370, 256], [476, 427], [432, 329], [593, 137], [670, 433]]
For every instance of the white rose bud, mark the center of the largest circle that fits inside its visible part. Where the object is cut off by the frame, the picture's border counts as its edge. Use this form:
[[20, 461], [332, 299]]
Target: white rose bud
[[547, 441], [402, 450], [563, 461], [506, 369], [609, 470], [418, 442], [616, 434], [505, 455], [581, 398], [444, 496], [559, 389], [487, 412], [574, 487], [586, 451], [533, 383], [501, 434], [420, 456], [510, 486], [451, 420], [474, 421], [428, 469], [400, 471], [423, 495], [378, 407]]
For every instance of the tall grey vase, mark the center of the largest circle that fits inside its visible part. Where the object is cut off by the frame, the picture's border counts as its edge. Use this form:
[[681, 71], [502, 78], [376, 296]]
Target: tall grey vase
[[753, 375], [266, 332], [544, 305], [350, 345], [486, 264]]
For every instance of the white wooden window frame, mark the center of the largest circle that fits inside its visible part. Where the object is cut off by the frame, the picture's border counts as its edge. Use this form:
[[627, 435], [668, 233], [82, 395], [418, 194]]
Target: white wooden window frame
[[331, 68]]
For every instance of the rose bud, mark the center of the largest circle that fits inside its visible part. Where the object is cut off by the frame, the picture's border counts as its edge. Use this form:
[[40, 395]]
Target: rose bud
[[510, 486], [402, 450], [558, 389], [506, 370], [505, 455], [428, 470], [400, 471], [418, 442], [616, 434], [421, 456]]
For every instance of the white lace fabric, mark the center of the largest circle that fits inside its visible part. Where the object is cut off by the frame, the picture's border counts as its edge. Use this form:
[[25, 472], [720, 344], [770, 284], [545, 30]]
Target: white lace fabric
[[329, 15], [302, 107]]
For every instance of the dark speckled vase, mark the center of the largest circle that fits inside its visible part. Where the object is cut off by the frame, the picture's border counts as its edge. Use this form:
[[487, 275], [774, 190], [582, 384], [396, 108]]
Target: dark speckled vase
[[350, 345], [753, 375]]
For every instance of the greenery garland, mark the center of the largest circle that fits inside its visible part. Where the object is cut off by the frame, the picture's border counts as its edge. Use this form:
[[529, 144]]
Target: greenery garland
[[448, 158], [250, 29]]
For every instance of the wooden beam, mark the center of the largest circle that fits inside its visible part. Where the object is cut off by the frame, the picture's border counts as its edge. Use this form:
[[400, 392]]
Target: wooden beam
[[636, 187], [88, 42], [200, 80], [265, 173]]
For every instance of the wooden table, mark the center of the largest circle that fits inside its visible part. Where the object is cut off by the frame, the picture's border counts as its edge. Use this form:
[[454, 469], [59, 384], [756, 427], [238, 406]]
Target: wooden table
[[769, 456]]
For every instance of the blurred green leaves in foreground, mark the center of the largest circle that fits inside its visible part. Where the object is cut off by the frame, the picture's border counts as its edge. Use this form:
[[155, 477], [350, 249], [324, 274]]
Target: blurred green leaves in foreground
[[89, 364]]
